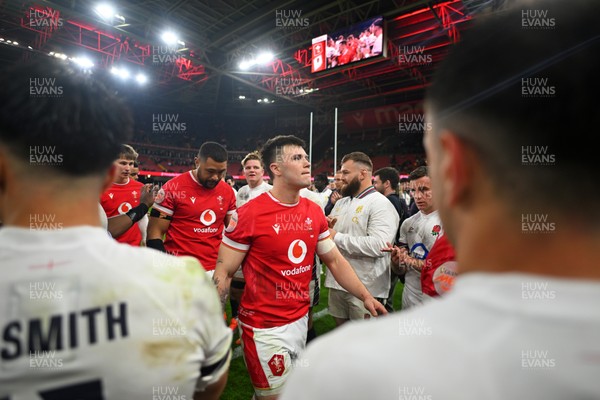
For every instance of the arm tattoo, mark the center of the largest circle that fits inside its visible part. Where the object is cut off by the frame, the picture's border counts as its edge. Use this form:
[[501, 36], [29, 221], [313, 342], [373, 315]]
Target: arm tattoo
[[223, 292]]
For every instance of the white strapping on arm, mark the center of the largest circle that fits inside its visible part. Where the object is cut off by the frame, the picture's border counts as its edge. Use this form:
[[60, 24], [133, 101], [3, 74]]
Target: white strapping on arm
[[325, 246]]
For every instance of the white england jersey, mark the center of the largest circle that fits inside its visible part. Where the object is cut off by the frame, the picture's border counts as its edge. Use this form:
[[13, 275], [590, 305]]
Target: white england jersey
[[420, 233], [312, 196], [246, 193], [324, 197], [495, 336], [84, 317]]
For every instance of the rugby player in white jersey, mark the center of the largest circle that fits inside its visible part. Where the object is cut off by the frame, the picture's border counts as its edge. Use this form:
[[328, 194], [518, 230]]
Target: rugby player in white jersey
[[274, 238], [82, 316], [417, 236], [522, 320]]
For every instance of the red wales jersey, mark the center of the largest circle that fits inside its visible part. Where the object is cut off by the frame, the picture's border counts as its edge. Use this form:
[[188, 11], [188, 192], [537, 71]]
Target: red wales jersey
[[439, 271], [117, 200], [280, 241], [198, 217]]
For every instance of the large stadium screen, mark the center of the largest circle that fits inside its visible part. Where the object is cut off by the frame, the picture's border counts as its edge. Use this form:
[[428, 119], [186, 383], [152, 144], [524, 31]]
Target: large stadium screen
[[349, 46]]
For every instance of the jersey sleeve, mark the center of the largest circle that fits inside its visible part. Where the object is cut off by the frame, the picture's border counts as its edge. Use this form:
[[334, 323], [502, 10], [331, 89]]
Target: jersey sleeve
[[403, 238], [165, 199], [104, 202], [322, 225], [238, 234], [232, 206], [240, 197]]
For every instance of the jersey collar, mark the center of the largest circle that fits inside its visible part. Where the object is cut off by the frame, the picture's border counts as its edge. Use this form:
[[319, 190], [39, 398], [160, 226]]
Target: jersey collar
[[193, 176], [123, 184], [283, 204], [366, 192]]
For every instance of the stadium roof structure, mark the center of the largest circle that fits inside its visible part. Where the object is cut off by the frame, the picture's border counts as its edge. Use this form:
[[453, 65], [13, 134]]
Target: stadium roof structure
[[202, 70]]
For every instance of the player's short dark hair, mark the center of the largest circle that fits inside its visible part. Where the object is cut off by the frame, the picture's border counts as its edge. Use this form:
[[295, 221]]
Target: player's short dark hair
[[255, 155], [388, 174], [322, 178], [136, 164], [48, 104], [228, 177], [212, 150], [404, 180], [418, 173], [360, 158], [128, 153], [274, 146], [481, 92]]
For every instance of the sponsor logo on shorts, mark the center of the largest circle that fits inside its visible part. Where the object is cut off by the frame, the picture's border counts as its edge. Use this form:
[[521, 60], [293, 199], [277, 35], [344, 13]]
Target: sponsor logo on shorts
[[277, 364]]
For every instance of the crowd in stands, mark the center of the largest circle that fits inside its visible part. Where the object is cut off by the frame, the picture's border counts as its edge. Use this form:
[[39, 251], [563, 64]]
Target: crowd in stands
[[175, 153]]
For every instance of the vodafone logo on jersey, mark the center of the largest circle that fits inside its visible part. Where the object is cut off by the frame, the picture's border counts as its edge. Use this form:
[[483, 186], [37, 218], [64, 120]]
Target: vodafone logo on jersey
[[297, 251], [124, 207], [208, 217]]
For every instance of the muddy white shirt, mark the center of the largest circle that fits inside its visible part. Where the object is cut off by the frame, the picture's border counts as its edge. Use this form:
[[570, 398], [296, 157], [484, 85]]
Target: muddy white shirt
[[246, 193], [80, 312], [493, 337]]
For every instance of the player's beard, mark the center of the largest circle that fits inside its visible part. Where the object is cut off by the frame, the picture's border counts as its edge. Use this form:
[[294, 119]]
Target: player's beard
[[209, 183], [351, 188]]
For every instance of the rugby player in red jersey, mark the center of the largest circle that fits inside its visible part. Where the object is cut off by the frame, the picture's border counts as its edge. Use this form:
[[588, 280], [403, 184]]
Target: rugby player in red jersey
[[274, 238], [124, 195], [192, 209]]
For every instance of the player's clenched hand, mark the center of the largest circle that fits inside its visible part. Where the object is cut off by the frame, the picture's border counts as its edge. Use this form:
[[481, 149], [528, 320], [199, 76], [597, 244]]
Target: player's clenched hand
[[374, 307], [148, 195], [335, 196], [331, 221], [400, 254], [397, 253]]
